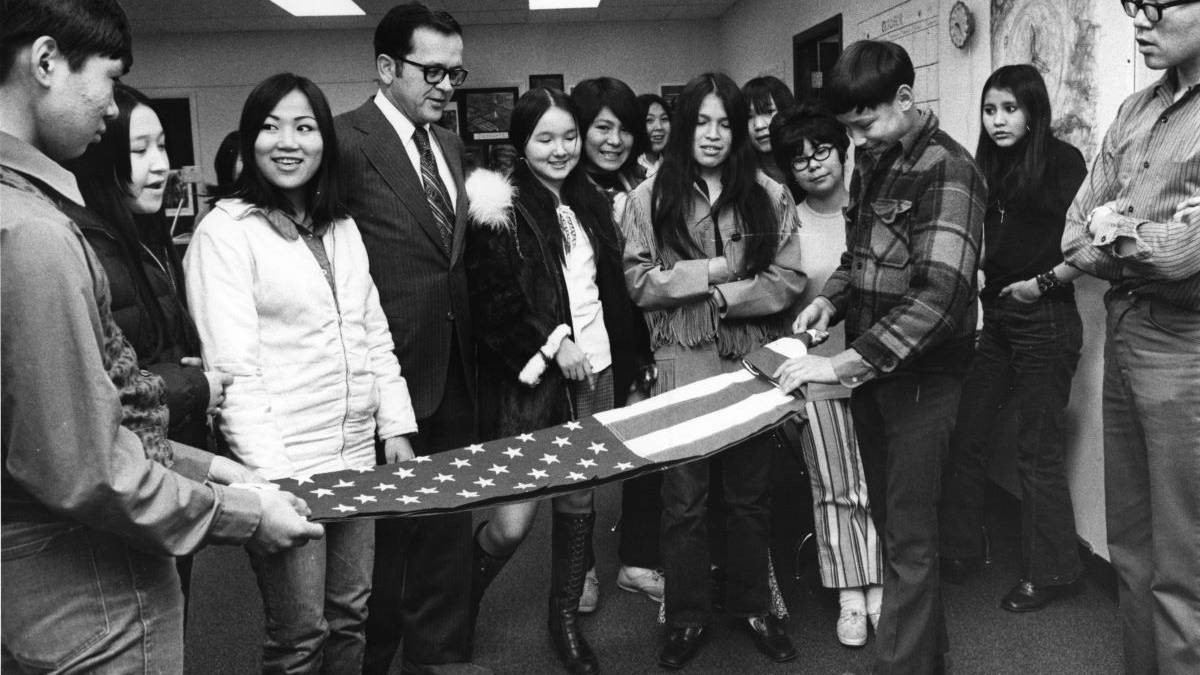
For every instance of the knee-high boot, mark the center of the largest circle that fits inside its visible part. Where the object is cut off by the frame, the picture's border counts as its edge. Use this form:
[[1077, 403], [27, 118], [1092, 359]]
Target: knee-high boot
[[484, 568], [568, 565]]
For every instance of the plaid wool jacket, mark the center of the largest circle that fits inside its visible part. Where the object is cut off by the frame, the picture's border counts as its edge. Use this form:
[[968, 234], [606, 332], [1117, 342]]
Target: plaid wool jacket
[[907, 283]]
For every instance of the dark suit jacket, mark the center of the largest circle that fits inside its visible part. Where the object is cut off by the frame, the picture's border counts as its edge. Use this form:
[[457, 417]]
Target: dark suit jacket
[[422, 289]]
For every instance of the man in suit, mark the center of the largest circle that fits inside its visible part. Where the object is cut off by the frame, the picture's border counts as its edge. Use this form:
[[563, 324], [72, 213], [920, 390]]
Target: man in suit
[[403, 182]]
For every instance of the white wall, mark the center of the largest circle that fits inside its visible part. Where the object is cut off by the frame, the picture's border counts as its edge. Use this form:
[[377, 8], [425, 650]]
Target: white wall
[[218, 71]]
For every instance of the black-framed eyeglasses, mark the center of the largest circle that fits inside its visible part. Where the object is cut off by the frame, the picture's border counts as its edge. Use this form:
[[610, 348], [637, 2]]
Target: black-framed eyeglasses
[[1153, 10], [800, 162], [435, 74]]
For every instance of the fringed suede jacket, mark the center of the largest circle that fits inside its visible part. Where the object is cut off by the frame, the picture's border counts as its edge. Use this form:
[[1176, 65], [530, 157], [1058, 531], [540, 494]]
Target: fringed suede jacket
[[520, 308]]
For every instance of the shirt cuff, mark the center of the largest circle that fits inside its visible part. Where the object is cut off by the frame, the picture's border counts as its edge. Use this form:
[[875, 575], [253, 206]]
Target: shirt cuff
[[239, 513], [1123, 241], [190, 462], [852, 369]]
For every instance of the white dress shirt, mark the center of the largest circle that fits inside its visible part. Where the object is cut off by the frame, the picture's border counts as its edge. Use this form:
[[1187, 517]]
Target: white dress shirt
[[405, 129]]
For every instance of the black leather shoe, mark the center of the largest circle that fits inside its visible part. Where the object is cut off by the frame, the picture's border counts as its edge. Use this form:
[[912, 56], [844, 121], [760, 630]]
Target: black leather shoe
[[1025, 597], [770, 638], [682, 646], [958, 570]]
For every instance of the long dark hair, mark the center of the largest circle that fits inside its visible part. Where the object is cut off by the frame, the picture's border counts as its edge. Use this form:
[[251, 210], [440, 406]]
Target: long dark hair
[[595, 94], [1021, 169], [766, 92], [323, 197], [103, 174], [674, 183], [590, 206]]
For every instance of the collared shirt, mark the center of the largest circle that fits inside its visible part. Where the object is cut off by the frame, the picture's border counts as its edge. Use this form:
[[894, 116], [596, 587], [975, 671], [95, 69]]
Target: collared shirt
[[579, 275], [906, 286], [66, 455], [1148, 164], [405, 129], [292, 229]]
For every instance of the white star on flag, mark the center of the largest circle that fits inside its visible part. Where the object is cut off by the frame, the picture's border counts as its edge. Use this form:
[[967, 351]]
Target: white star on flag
[[484, 482], [409, 499], [301, 480], [560, 441], [549, 459], [573, 425], [365, 469], [513, 453], [467, 494], [428, 490], [585, 462], [344, 509], [538, 473], [597, 448], [344, 484], [624, 466], [460, 463], [363, 499], [442, 478], [576, 476], [385, 486], [322, 492], [475, 448], [524, 486], [403, 472], [497, 469], [421, 459], [525, 438]]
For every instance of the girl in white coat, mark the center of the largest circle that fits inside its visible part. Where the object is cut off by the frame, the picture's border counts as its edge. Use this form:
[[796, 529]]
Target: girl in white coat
[[279, 283]]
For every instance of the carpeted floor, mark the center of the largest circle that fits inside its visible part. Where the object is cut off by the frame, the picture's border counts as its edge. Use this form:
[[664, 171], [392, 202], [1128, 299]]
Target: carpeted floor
[[1079, 634]]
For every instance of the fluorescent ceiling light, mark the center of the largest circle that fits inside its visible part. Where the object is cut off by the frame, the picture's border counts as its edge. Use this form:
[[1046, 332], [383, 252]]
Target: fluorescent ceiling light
[[320, 7], [563, 4]]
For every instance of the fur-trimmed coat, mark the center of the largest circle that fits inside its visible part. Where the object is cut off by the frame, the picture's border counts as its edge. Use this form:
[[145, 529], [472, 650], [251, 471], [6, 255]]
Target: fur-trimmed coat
[[518, 300]]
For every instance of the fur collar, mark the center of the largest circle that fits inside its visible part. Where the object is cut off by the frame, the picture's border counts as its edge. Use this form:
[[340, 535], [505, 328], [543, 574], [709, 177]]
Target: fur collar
[[490, 199]]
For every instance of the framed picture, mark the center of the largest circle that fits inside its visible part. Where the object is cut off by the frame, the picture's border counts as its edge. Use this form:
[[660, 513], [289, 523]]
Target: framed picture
[[484, 113], [449, 119], [548, 81], [670, 92], [179, 195]]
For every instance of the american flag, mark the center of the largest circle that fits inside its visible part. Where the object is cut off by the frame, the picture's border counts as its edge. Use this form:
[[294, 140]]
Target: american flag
[[688, 423]]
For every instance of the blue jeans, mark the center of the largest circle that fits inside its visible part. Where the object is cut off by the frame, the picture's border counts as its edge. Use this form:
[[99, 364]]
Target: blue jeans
[[78, 600], [745, 470], [1152, 479], [315, 601], [1027, 355], [904, 423]]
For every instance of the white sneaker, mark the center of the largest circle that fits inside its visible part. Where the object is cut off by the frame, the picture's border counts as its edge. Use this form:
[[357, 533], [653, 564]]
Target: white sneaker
[[641, 580], [590, 597], [852, 627]]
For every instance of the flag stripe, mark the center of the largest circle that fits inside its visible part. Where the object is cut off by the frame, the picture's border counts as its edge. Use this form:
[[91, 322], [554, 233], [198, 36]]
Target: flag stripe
[[687, 411], [688, 392], [717, 428]]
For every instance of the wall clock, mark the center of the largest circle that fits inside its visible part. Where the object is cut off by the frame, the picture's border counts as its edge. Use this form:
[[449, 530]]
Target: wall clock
[[962, 24]]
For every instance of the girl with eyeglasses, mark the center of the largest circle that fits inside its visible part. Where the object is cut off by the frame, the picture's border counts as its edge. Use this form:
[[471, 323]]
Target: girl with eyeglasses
[[812, 145], [278, 279], [1029, 347], [712, 260], [554, 330]]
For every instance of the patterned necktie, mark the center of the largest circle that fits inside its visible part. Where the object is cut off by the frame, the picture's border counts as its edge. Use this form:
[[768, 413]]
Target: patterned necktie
[[435, 189]]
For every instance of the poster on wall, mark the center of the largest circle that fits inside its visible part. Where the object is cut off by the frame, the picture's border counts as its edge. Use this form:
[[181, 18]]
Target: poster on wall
[[1059, 38], [449, 120], [914, 25], [484, 113]]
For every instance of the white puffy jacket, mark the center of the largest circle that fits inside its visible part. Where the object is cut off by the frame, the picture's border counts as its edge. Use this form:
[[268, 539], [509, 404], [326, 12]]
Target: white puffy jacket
[[314, 379]]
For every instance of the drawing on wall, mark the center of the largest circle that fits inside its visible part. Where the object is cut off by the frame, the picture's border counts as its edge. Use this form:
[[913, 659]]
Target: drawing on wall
[[1059, 38], [914, 25]]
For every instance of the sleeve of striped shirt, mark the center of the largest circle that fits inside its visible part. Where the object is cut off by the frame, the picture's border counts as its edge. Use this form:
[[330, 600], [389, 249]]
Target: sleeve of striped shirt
[[1167, 251], [945, 239], [1100, 187]]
